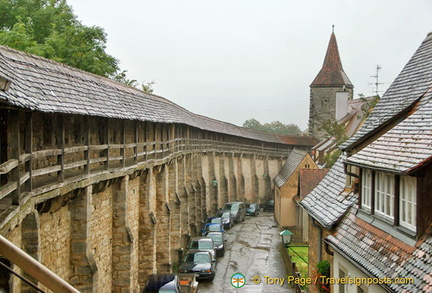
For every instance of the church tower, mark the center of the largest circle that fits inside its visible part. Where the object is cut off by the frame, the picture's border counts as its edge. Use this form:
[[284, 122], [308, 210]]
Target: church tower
[[330, 91]]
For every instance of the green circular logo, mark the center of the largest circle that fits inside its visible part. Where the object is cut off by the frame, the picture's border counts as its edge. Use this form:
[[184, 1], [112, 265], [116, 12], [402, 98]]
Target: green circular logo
[[238, 280]]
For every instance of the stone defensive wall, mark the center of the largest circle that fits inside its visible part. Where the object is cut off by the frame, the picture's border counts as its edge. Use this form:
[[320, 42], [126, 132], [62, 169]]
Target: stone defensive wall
[[104, 184]]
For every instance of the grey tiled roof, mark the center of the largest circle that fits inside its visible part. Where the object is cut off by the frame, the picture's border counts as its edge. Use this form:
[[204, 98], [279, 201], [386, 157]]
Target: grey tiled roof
[[380, 255], [411, 84], [294, 159], [327, 202], [43, 85], [405, 146]]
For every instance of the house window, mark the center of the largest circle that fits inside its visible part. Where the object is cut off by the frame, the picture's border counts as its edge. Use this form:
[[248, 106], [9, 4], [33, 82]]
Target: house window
[[384, 194], [366, 194], [408, 202], [342, 286]]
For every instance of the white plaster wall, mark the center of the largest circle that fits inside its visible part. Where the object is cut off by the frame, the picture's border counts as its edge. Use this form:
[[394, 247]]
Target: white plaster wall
[[351, 271]]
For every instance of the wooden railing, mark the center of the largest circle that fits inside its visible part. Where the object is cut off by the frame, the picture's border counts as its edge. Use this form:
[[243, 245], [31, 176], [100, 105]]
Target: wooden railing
[[27, 174]]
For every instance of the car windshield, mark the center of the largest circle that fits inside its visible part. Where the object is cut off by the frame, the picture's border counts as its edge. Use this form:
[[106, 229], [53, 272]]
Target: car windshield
[[216, 220], [235, 207], [213, 228], [205, 245], [197, 258], [226, 215], [227, 206], [215, 237]]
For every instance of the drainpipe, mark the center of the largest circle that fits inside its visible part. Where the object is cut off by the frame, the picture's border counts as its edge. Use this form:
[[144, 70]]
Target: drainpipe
[[319, 237], [34, 268]]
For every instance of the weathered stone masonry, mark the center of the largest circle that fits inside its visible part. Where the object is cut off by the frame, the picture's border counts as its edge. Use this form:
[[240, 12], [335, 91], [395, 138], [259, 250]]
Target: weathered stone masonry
[[109, 205]]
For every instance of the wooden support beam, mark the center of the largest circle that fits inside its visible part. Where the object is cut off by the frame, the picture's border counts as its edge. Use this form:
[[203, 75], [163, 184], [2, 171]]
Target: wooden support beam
[[106, 139], [136, 140], [123, 142], [29, 149], [14, 143], [60, 134], [87, 143]]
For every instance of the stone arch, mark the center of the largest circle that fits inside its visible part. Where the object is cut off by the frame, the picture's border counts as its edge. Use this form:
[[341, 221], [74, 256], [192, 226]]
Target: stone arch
[[147, 230], [162, 211], [242, 188], [256, 190], [200, 202], [233, 187], [30, 239], [225, 191]]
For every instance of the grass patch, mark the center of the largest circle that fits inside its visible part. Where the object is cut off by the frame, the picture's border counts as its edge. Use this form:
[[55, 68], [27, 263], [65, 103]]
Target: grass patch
[[299, 256]]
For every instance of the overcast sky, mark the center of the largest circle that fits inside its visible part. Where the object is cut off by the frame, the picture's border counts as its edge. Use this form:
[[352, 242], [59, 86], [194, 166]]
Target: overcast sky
[[233, 60]]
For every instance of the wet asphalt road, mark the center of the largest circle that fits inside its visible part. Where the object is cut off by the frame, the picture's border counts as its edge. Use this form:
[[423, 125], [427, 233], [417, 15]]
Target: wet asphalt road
[[252, 249]]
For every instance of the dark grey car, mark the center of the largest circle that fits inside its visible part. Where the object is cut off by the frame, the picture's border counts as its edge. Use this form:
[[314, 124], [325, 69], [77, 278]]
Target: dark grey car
[[219, 242], [238, 210], [200, 263], [227, 218]]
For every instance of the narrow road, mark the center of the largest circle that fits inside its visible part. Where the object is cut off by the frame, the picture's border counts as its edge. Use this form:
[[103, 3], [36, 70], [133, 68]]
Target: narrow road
[[252, 249]]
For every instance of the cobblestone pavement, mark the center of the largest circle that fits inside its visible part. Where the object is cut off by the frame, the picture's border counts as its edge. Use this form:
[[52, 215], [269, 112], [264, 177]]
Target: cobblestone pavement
[[252, 250]]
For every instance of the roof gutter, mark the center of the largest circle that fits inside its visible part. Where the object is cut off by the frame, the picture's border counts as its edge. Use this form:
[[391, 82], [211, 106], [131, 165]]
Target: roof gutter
[[396, 172], [319, 238]]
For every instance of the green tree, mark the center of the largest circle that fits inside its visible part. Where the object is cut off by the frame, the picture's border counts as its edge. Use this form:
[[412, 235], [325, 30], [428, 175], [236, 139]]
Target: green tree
[[337, 131], [48, 28], [252, 124], [274, 127]]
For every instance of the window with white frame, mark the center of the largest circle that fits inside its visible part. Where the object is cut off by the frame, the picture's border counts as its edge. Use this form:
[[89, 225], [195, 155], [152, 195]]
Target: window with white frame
[[384, 194], [366, 194], [342, 286], [408, 201]]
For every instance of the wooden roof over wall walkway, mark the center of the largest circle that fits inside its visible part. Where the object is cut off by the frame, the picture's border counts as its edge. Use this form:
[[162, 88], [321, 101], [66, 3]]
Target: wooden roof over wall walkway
[[41, 84]]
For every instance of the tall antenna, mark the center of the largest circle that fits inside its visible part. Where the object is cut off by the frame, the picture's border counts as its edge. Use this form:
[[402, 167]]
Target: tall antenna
[[376, 79]]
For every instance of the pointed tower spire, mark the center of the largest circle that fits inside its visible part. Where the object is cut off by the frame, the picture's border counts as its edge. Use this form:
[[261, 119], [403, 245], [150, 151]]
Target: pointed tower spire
[[330, 91], [332, 73]]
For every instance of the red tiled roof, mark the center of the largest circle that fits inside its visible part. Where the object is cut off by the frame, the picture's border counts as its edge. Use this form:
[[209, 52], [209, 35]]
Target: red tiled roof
[[332, 73], [309, 179], [299, 140]]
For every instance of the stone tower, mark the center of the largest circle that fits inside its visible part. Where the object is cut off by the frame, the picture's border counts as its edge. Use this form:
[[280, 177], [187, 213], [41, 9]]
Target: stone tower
[[330, 91]]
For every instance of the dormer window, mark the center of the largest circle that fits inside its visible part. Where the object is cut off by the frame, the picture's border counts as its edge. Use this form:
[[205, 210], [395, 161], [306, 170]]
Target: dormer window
[[366, 189], [382, 193], [408, 202]]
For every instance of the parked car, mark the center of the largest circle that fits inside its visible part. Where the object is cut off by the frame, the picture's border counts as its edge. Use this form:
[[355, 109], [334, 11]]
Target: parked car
[[162, 283], [212, 228], [238, 210], [219, 242], [214, 220], [203, 244], [201, 263], [227, 218], [267, 206], [252, 209]]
